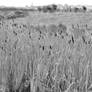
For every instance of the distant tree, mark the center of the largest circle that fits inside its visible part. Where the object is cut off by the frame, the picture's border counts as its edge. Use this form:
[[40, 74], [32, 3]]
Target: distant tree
[[76, 9], [49, 8], [54, 7], [84, 8], [45, 9], [39, 9]]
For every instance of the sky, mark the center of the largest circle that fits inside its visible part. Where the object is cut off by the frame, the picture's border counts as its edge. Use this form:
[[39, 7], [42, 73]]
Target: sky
[[23, 3]]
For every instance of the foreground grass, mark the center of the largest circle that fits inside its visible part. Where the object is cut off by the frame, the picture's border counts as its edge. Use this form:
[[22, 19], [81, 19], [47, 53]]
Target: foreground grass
[[46, 52]]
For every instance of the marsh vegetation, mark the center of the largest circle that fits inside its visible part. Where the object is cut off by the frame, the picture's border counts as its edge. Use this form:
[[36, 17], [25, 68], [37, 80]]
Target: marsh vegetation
[[46, 55]]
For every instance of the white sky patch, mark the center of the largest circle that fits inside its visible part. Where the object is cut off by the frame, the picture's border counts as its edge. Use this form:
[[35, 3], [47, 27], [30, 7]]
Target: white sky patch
[[23, 3]]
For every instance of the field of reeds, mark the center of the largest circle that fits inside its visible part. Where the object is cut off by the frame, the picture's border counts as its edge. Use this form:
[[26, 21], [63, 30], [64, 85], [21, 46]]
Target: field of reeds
[[45, 52]]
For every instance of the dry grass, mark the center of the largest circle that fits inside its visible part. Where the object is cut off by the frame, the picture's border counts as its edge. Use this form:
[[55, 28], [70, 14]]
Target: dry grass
[[37, 44]]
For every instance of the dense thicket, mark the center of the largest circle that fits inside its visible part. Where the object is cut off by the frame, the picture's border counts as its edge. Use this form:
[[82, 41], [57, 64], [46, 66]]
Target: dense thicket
[[45, 58]]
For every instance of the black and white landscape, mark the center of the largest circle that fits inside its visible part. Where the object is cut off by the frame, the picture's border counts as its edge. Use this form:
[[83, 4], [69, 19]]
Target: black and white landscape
[[46, 49]]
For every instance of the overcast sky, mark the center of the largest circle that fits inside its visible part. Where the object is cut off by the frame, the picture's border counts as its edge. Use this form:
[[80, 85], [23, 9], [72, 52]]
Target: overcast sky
[[23, 3]]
